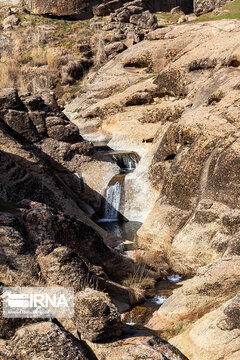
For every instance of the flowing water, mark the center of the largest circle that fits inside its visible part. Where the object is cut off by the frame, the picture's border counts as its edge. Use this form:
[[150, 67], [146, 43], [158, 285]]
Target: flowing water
[[141, 314], [124, 230], [112, 201], [112, 220]]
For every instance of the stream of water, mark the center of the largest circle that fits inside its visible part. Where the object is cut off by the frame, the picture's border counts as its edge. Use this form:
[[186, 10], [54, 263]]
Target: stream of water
[[142, 313], [113, 223], [112, 220]]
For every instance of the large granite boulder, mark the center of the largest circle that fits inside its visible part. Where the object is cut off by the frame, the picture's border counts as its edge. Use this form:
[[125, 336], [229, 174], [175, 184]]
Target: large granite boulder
[[215, 336], [46, 340], [96, 317], [74, 9]]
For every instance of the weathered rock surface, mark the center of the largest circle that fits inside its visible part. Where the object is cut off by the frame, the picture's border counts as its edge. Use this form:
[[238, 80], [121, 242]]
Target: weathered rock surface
[[150, 99], [75, 9], [79, 9], [46, 340], [56, 262], [208, 289], [202, 7], [57, 140], [96, 317], [38, 208], [136, 344], [215, 336], [11, 3]]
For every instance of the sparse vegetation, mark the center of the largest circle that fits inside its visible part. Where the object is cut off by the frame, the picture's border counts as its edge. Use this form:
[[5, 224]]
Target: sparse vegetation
[[229, 11], [137, 282]]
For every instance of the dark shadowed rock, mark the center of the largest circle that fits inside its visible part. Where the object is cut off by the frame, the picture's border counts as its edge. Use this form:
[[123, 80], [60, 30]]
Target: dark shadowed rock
[[47, 340], [75, 234], [9, 99], [61, 130], [61, 266]]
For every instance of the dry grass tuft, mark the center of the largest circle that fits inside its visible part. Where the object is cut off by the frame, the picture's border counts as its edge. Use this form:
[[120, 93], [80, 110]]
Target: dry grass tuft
[[10, 73], [100, 56], [39, 56], [137, 282]]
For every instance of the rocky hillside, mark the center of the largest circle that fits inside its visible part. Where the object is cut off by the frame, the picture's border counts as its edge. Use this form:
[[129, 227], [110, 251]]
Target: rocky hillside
[[163, 88], [47, 239], [173, 98]]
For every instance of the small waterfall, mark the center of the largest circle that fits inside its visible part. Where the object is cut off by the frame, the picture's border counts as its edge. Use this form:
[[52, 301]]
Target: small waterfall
[[127, 161], [112, 202]]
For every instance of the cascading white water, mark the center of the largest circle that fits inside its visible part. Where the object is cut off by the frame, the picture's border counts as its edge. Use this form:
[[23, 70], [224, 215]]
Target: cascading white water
[[127, 161], [112, 201], [114, 195]]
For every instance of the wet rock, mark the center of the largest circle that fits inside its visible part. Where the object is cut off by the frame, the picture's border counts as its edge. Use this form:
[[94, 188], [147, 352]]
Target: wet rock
[[96, 317]]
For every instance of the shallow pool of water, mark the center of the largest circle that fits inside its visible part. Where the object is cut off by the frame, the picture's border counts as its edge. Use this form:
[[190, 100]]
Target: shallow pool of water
[[124, 230]]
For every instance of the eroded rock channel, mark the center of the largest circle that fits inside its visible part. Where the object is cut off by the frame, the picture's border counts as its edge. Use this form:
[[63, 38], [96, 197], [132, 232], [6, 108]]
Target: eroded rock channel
[[144, 226]]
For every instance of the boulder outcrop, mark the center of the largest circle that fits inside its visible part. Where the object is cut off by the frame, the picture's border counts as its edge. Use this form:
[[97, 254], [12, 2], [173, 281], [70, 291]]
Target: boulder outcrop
[[80, 9], [216, 335], [136, 344], [46, 340], [202, 7], [151, 99], [207, 290], [57, 141], [39, 212], [96, 317]]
